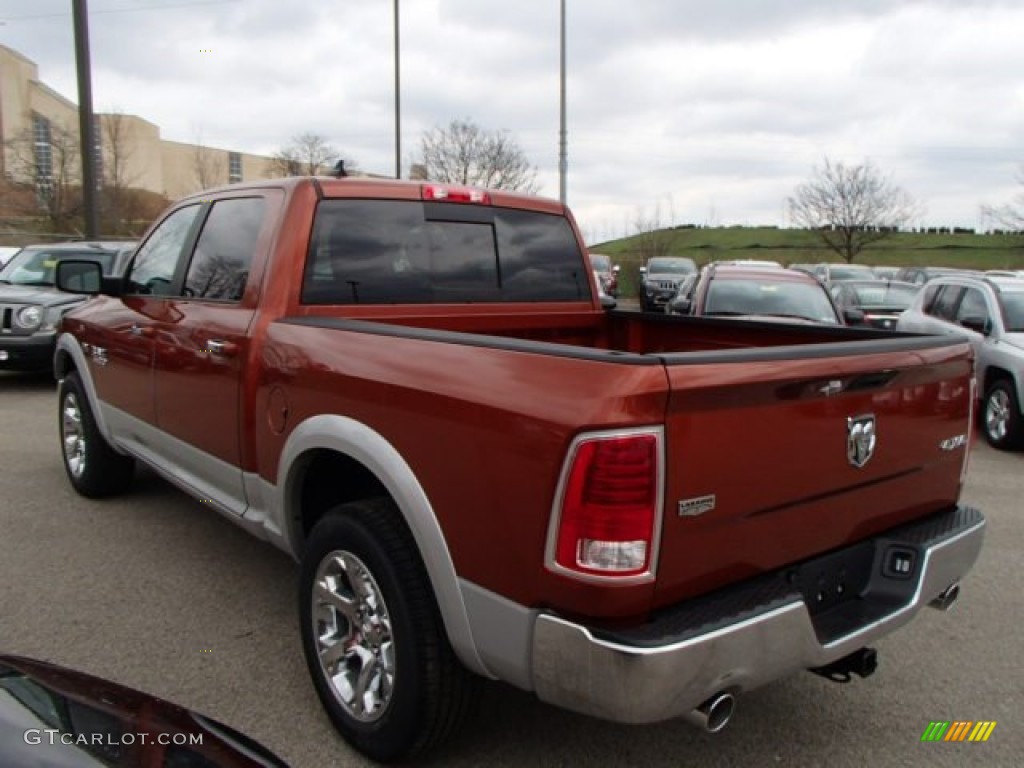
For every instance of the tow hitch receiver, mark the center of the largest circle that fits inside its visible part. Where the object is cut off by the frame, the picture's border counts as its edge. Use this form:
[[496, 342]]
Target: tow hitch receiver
[[862, 663]]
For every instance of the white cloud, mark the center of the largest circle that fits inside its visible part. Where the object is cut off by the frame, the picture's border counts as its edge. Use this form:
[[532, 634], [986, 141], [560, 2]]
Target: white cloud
[[719, 108]]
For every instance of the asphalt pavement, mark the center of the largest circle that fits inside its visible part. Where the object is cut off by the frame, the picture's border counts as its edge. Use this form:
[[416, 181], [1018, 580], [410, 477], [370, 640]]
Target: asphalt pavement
[[153, 590]]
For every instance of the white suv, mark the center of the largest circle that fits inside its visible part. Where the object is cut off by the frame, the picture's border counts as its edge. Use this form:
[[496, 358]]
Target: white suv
[[990, 312]]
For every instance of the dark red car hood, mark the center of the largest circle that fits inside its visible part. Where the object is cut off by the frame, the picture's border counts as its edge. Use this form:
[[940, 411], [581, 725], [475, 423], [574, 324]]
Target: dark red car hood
[[54, 717]]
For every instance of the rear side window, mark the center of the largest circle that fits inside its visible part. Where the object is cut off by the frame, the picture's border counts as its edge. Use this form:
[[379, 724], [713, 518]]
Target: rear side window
[[410, 252], [220, 263]]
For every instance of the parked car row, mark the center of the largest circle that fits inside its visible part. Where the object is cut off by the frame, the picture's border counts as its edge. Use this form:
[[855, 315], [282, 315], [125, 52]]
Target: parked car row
[[988, 308]]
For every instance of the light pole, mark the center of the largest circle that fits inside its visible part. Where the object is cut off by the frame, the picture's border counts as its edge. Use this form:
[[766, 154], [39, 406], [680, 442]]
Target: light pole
[[563, 160], [398, 101], [86, 126]]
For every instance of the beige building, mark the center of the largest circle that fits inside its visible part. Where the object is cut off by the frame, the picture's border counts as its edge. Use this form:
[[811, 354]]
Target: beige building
[[37, 123]]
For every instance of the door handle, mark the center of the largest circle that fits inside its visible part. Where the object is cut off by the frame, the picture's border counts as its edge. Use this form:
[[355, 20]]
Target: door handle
[[222, 348], [141, 330]]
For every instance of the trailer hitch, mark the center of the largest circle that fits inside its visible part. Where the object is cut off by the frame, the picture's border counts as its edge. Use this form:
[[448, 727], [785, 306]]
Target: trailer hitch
[[862, 663]]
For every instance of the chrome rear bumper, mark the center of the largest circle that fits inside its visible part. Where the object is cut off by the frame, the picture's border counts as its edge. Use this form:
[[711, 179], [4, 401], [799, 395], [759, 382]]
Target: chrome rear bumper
[[748, 635]]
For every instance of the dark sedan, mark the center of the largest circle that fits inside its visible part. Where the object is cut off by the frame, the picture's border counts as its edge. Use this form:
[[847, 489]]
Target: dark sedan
[[757, 293], [881, 301]]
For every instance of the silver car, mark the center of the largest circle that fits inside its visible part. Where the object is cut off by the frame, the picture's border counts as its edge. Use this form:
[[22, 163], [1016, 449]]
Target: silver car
[[990, 312]]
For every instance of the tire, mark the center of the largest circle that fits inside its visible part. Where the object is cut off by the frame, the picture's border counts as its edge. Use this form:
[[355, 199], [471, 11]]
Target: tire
[[416, 694], [1001, 417], [93, 467]]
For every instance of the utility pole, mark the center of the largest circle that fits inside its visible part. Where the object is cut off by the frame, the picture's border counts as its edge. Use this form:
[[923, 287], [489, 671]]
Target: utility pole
[[398, 100], [86, 124], [563, 161]]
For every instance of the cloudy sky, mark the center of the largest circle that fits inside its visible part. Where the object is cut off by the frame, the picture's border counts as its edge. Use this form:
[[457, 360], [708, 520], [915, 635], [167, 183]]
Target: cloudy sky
[[702, 112]]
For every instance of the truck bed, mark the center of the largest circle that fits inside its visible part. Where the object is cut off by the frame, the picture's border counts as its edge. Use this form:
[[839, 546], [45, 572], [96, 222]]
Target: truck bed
[[755, 418]]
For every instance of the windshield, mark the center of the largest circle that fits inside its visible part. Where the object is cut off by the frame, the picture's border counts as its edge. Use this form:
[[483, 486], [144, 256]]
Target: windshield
[[600, 262], [1013, 310], [37, 266], [758, 297], [673, 266], [849, 273], [898, 296]]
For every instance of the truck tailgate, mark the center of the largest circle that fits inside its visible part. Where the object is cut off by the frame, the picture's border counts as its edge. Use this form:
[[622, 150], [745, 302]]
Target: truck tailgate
[[776, 455]]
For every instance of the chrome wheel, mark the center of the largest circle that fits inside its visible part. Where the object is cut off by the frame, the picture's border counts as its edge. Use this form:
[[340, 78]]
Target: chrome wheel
[[73, 435], [354, 642], [998, 414]]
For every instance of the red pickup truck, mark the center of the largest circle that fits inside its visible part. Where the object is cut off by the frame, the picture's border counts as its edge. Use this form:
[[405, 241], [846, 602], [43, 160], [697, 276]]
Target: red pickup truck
[[414, 390]]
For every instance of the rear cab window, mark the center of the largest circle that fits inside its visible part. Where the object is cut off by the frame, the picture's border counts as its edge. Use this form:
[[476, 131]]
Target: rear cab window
[[417, 252]]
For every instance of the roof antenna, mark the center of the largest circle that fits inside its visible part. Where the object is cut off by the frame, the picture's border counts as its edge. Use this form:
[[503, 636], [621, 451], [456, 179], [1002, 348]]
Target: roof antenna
[[339, 170]]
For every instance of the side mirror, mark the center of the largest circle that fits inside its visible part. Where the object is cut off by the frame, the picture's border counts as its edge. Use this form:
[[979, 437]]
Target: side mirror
[[84, 276], [679, 307], [977, 323], [643, 270], [607, 302], [853, 316], [616, 268], [79, 276]]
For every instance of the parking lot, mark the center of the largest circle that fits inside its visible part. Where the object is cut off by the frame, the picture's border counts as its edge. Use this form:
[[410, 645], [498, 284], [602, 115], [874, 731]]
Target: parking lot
[[154, 591]]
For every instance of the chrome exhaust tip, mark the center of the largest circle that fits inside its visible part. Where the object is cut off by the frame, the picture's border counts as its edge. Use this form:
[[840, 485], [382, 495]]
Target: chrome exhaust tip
[[714, 714], [946, 598]]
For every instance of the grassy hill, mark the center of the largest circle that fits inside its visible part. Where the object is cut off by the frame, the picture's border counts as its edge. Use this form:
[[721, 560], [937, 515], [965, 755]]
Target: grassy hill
[[798, 246]]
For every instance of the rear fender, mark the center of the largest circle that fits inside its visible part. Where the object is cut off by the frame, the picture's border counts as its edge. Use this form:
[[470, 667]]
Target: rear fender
[[368, 447]]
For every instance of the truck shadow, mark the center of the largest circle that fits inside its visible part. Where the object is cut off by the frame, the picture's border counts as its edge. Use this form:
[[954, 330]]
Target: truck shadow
[[12, 381]]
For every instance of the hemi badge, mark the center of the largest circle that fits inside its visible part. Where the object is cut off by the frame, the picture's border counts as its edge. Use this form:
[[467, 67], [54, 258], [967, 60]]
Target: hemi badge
[[952, 443], [697, 506]]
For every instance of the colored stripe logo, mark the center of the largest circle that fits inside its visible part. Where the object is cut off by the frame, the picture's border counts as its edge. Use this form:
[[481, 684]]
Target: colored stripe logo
[[958, 730]]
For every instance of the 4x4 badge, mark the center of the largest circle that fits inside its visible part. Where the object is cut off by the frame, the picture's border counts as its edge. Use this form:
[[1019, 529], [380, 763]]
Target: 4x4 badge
[[860, 439]]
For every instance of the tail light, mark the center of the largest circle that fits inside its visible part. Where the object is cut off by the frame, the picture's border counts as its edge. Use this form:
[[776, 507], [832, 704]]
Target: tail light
[[450, 194], [607, 513]]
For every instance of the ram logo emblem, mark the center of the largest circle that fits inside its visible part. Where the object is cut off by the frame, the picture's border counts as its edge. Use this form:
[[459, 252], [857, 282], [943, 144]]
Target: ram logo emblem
[[860, 439]]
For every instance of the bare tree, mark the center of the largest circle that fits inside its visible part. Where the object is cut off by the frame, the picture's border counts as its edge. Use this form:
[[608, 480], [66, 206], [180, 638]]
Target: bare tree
[[308, 154], [118, 150], [653, 236], [1010, 216], [464, 153], [850, 207], [47, 157], [208, 166]]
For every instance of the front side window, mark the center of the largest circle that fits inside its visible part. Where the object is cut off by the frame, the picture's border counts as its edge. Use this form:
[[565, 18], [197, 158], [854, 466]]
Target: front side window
[[408, 252], [152, 271], [224, 252], [972, 305]]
